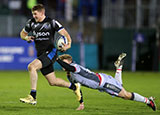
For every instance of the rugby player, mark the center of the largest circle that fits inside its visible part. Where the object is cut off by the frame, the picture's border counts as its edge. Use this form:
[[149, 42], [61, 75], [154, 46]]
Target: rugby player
[[101, 81], [43, 29]]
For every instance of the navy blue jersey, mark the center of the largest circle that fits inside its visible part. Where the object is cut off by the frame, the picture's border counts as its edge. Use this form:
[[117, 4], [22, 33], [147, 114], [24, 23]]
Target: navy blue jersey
[[43, 32]]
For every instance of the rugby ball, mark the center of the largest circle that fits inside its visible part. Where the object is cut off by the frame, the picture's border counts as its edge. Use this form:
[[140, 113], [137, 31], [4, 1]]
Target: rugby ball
[[62, 40]]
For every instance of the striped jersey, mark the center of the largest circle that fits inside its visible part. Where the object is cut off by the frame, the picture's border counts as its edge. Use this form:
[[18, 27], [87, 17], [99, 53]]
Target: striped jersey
[[43, 32], [84, 76]]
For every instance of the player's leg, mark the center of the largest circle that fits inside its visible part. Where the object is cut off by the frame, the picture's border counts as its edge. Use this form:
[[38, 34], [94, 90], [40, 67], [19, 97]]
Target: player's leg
[[113, 87], [137, 97], [41, 62], [119, 64], [32, 68], [118, 75], [54, 81]]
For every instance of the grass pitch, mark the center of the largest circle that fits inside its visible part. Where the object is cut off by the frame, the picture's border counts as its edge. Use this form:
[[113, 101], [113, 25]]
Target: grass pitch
[[62, 101]]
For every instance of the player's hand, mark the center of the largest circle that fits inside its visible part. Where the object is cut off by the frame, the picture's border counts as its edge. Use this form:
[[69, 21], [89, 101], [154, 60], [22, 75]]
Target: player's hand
[[31, 38], [65, 47]]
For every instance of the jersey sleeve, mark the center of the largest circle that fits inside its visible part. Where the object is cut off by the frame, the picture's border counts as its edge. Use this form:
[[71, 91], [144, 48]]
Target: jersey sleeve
[[27, 27], [56, 25], [67, 66], [77, 67]]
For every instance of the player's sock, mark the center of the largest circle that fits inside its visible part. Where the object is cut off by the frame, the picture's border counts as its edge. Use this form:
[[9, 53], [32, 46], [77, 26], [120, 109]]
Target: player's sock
[[81, 101], [33, 93], [72, 86], [118, 74], [137, 97]]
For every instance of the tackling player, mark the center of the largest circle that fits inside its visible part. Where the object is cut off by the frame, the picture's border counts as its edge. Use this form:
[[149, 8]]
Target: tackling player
[[101, 81], [43, 29]]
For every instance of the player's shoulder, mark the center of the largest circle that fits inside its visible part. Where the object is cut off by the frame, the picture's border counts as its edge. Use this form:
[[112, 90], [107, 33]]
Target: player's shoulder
[[50, 20], [30, 21], [74, 64], [56, 23]]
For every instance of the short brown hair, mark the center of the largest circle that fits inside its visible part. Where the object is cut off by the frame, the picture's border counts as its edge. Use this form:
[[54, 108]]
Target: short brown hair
[[66, 56], [38, 7]]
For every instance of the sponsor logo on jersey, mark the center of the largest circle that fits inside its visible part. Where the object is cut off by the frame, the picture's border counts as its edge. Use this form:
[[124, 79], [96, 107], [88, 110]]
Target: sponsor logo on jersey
[[39, 34], [42, 34]]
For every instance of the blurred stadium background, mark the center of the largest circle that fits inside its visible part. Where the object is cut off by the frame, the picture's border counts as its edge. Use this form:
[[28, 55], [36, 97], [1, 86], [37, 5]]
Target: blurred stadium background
[[100, 30]]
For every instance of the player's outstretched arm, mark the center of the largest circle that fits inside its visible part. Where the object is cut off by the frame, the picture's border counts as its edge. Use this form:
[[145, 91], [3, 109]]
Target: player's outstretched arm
[[81, 102], [81, 105], [66, 66]]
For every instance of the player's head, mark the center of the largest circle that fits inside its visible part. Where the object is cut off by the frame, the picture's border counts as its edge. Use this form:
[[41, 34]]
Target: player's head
[[38, 12], [66, 58]]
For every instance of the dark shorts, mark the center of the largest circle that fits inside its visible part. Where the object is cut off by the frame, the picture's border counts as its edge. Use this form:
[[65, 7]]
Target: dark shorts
[[47, 59]]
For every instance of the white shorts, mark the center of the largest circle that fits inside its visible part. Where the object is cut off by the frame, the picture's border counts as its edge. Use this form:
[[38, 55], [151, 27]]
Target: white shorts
[[109, 85]]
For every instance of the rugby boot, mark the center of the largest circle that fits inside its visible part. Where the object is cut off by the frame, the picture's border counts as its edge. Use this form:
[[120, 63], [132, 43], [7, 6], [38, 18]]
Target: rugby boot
[[29, 99], [120, 60], [152, 103]]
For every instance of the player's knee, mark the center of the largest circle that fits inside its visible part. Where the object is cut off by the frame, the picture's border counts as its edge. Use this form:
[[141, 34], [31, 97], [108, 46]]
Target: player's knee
[[31, 67], [127, 96], [124, 94]]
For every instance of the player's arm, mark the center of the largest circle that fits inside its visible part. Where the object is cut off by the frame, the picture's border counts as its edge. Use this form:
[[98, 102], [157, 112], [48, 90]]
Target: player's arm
[[66, 66], [25, 31], [81, 100], [69, 76], [62, 31], [24, 36], [81, 106], [66, 34]]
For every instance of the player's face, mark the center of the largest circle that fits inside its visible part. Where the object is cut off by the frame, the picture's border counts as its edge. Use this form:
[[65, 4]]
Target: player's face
[[37, 15]]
